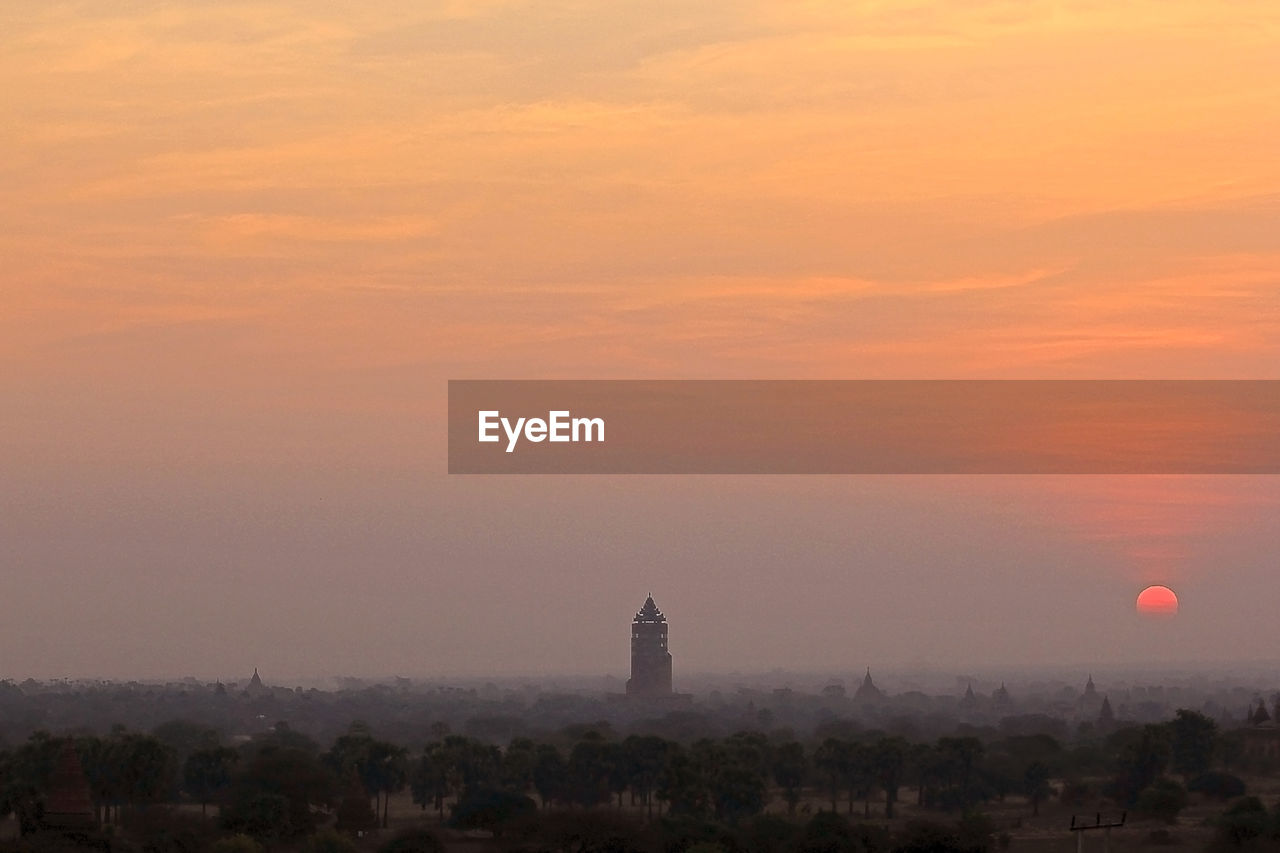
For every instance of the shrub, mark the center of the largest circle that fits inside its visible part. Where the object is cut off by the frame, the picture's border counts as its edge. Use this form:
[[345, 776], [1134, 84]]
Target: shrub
[[925, 836], [1224, 786], [238, 843], [491, 810], [1162, 800], [1245, 824], [328, 841], [768, 834], [829, 832], [413, 841], [1076, 793]]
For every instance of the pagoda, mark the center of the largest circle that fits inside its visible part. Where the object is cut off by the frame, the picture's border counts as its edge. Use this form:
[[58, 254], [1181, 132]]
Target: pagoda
[[867, 691], [256, 687], [69, 806], [650, 659]]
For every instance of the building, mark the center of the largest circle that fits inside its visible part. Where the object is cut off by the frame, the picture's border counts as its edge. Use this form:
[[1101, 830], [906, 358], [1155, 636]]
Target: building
[[650, 658], [867, 691], [69, 804], [256, 687]]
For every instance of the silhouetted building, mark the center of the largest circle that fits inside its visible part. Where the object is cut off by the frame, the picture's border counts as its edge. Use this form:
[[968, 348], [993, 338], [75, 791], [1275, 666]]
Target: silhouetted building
[[69, 806], [867, 691], [1090, 702], [1001, 698], [1106, 717], [650, 659], [256, 687], [354, 813]]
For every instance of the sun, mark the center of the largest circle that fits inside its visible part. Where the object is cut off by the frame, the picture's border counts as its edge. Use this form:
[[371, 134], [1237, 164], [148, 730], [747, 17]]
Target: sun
[[1157, 601]]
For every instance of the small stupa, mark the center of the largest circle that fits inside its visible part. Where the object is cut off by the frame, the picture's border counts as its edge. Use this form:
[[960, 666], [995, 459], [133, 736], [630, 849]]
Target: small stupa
[[354, 812], [69, 806]]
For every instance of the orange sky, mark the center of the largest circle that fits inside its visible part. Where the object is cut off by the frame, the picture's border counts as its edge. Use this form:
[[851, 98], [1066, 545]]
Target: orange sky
[[244, 244]]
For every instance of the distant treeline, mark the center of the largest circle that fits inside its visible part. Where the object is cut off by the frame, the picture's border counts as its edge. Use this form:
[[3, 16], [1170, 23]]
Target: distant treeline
[[281, 786]]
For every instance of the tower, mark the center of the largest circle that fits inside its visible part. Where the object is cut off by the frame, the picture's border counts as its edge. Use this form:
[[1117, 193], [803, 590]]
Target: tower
[[650, 659], [69, 806]]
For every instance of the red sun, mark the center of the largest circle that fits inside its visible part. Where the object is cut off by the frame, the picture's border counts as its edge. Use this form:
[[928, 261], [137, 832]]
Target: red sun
[[1157, 601]]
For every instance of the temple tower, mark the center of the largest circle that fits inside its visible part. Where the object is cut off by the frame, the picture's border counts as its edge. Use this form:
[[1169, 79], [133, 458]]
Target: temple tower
[[650, 659], [69, 806]]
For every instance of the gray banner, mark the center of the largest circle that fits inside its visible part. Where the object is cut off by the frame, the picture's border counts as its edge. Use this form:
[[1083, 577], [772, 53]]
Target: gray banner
[[864, 427]]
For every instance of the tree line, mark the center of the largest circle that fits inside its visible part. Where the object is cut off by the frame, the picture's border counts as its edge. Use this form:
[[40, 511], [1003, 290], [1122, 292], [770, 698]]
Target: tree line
[[281, 784]]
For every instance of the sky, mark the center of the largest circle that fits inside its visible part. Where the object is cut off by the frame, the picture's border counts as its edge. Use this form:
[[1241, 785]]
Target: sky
[[243, 247]]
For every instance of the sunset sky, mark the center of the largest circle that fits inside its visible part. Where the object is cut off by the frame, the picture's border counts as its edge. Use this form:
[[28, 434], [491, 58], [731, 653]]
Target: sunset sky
[[243, 246]]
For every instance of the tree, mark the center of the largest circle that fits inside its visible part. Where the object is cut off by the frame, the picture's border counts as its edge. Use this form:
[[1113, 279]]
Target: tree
[[1035, 785], [789, 770], [645, 755], [922, 766], [380, 766], [272, 795], [1193, 740], [831, 759], [1143, 756], [737, 771], [388, 771], [958, 758], [428, 780], [517, 764], [588, 771], [185, 737], [207, 773], [549, 774], [890, 758], [682, 785], [617, 769], [860, 776]]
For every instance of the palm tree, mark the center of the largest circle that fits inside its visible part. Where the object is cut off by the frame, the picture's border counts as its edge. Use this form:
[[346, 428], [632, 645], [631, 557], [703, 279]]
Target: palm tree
[[789, 770], [832, 760], [207, 772], [890, 757]]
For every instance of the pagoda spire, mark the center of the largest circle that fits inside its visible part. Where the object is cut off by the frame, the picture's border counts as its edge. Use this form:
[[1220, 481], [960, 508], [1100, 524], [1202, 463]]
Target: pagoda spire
[[650, 657], [867, 690]]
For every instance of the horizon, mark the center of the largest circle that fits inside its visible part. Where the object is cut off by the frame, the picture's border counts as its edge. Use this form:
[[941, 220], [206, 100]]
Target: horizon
[[248, 244]]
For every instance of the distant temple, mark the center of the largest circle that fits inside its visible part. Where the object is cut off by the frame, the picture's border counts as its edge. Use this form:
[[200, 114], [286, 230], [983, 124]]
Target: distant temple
[[650, 659], [1106, 716], [867, 691], [256, 687], [1090, 702], [69, 806]]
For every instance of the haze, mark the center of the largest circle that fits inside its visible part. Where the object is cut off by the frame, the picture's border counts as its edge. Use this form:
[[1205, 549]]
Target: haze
[[243, 247]]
